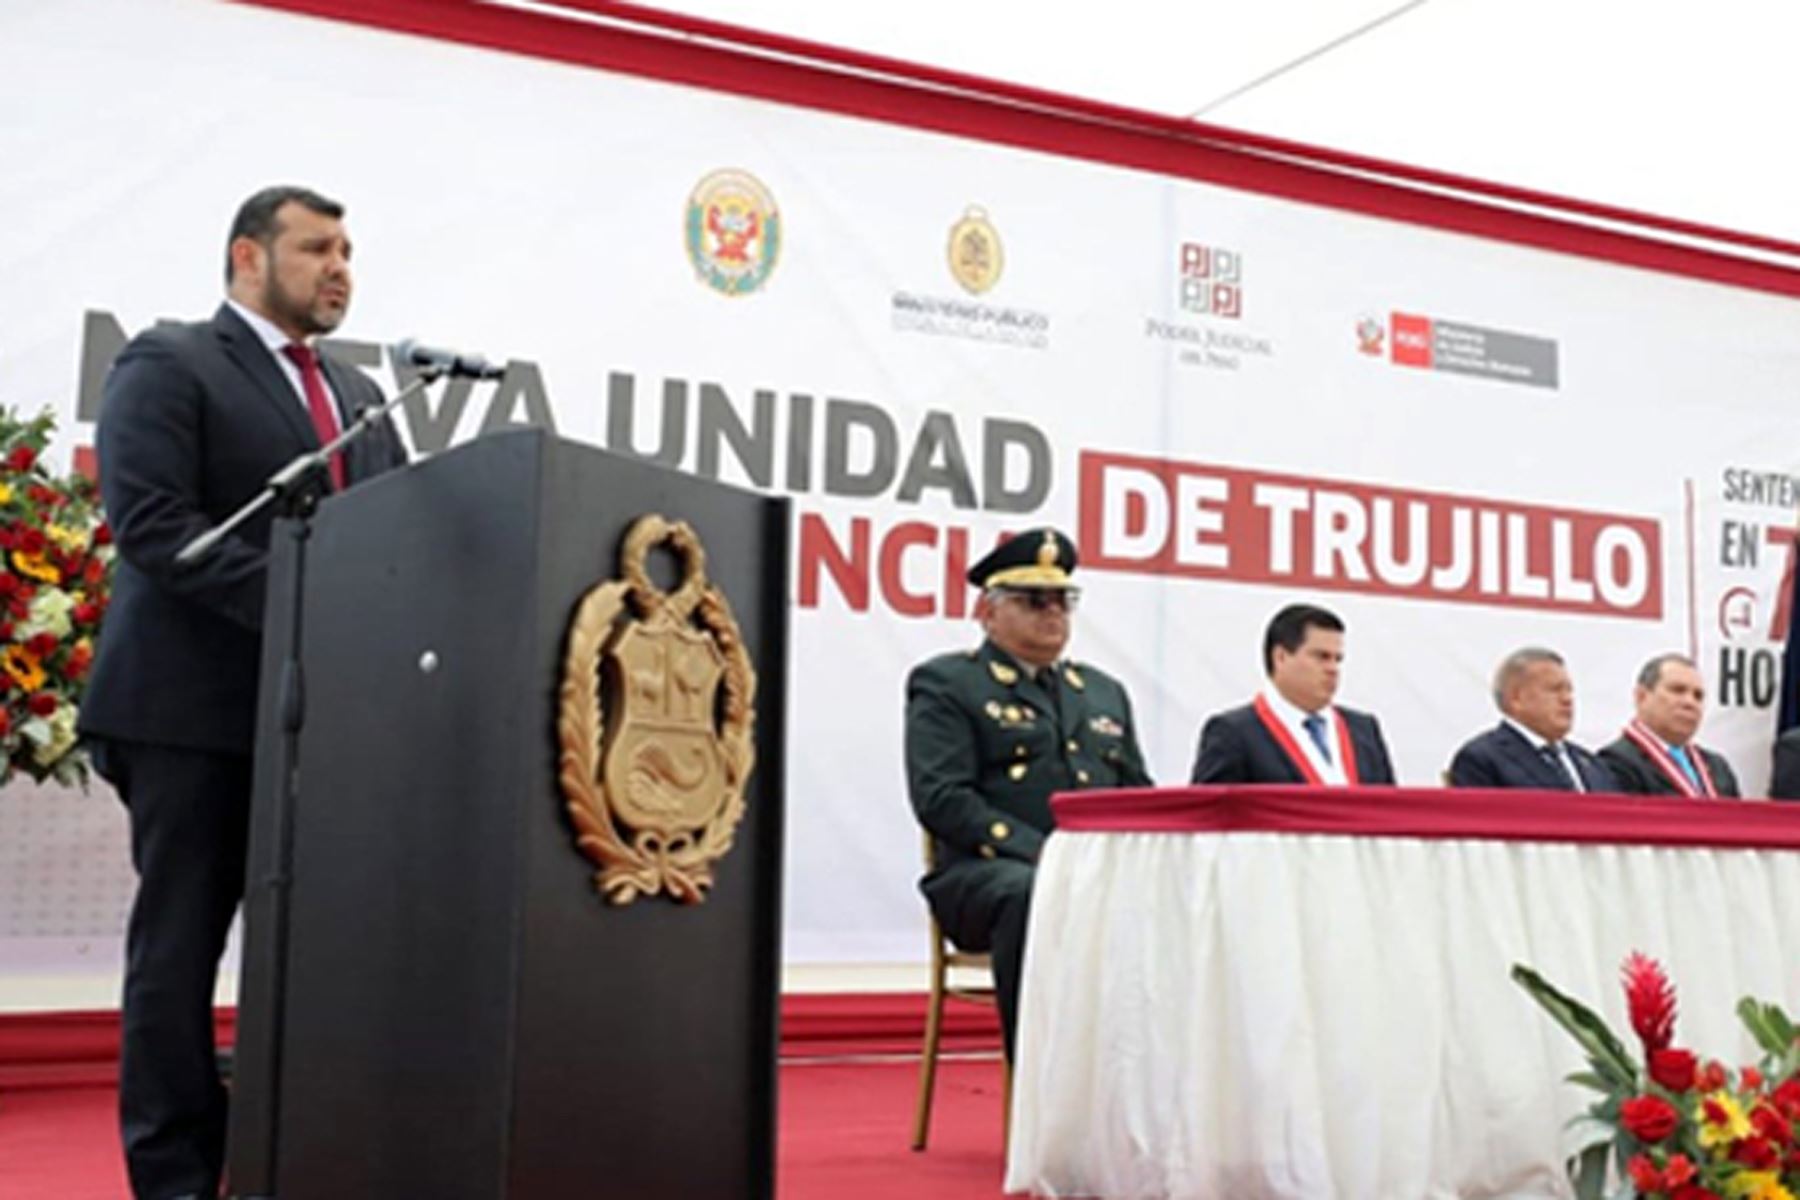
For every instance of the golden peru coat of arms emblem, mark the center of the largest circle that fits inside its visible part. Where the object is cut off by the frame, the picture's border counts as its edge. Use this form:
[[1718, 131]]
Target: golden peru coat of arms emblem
[[655, 723]]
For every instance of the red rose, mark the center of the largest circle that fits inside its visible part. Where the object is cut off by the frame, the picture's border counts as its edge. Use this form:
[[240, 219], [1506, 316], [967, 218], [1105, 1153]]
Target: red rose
[[1648, 1118], [1711, 1077], [1674, 1069], [21, 458], [1756, 1153], [42, 703], [9, 583], [1680, 1170], [1750, 1079], [1787, 1097], [31, 541], [1770, 1124], [1644, 1175], [86, 613], [78, 663], [42, 644], [43, 496], [103, 535]]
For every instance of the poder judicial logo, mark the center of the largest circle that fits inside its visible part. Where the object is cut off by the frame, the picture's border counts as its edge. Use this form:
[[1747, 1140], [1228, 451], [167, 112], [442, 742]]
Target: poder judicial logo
[[1211, 281], [975, 253], [732, 232]]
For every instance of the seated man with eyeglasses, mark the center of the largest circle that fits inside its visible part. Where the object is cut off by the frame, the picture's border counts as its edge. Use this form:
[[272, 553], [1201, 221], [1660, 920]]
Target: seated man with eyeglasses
[[1291, 732], [992, 732]]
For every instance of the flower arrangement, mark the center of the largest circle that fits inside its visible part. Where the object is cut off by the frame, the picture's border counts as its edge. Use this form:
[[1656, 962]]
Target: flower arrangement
[[1678, 1128], [55, 571]]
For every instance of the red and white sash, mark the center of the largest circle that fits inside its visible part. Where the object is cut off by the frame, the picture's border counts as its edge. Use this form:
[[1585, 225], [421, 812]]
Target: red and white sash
[[1284, 737], [1652, 747]]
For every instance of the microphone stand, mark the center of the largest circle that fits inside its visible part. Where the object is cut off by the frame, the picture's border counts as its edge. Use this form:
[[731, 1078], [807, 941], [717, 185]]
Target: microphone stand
[[256, 1119]]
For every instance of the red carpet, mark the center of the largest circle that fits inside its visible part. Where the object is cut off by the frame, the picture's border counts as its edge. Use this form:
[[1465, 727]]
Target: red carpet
[[844, 1133]]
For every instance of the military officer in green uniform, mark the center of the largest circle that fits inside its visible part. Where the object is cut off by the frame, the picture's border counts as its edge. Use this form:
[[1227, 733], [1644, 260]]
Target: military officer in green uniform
[[992, 732]]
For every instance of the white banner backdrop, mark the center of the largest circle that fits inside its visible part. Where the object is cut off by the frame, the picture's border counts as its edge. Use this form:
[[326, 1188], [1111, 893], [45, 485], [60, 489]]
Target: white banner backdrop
[[1461, 445]]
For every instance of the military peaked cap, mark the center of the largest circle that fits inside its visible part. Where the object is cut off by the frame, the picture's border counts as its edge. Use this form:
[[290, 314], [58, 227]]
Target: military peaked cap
[[1034, 558]]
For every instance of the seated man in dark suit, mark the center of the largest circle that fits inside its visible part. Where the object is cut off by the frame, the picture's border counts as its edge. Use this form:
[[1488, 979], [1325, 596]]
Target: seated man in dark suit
[[1291, 733], [1530, 746], [1784, 784], [992, 732], [1657, 754]]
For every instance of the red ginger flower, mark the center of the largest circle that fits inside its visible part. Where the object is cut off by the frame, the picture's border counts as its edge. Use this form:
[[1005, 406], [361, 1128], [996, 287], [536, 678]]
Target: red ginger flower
[[1651, 998]]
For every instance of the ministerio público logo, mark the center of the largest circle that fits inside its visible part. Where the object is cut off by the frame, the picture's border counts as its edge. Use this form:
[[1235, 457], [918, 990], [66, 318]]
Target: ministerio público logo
[[975, 253], [733, 232]]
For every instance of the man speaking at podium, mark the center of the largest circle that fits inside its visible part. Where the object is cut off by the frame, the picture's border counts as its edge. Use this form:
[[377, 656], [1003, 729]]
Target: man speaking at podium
[[195, 420]]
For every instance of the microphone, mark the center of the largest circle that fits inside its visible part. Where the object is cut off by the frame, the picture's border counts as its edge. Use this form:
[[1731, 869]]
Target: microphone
[[446, 362]]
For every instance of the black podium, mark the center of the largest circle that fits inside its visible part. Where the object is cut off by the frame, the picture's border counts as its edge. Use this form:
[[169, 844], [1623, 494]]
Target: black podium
[[448, 1009]]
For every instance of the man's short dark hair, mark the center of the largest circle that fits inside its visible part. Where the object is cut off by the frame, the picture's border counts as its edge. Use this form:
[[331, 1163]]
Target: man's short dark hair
[[256, 216], [1288, 627], [1651, 674]]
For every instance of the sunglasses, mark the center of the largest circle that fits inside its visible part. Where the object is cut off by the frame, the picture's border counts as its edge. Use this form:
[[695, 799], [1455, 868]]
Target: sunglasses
[[1044, 599]]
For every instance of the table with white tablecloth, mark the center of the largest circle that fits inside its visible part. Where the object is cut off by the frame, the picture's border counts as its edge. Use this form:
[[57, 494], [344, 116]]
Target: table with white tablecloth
[[1240, 993]]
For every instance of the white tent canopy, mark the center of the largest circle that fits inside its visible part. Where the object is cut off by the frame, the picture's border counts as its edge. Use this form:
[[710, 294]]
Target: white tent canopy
[[1662, 108]]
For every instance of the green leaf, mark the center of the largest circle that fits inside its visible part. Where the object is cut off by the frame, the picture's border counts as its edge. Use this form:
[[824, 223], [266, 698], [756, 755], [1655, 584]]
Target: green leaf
[[1609, 1056], [1587, 1172], [1778, 1020], [1589, 1079], [1761, 1021]]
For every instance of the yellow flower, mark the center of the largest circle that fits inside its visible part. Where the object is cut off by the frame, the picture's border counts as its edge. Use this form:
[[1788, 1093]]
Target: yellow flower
[[22, 667], [1721, 1120], [1757, 1185], [67, 538], [6, 493], [36, 566]]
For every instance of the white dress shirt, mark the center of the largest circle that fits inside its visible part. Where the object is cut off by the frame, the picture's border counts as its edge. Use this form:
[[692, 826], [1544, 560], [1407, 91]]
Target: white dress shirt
[[274, 337], [1331, 771]]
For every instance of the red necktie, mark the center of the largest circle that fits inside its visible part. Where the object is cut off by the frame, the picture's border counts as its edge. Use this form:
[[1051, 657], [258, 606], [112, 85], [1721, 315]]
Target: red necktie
[[318, 403]]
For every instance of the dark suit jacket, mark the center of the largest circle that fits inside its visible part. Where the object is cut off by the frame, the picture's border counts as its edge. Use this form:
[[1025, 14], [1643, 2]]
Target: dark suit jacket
[[1502, 758], [1235, 747], [1784, 784], [194, 421], [1635, 773]]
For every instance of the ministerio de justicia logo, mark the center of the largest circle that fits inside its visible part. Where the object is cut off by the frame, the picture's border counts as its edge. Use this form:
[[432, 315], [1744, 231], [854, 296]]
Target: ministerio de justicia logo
[[732, 231]]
